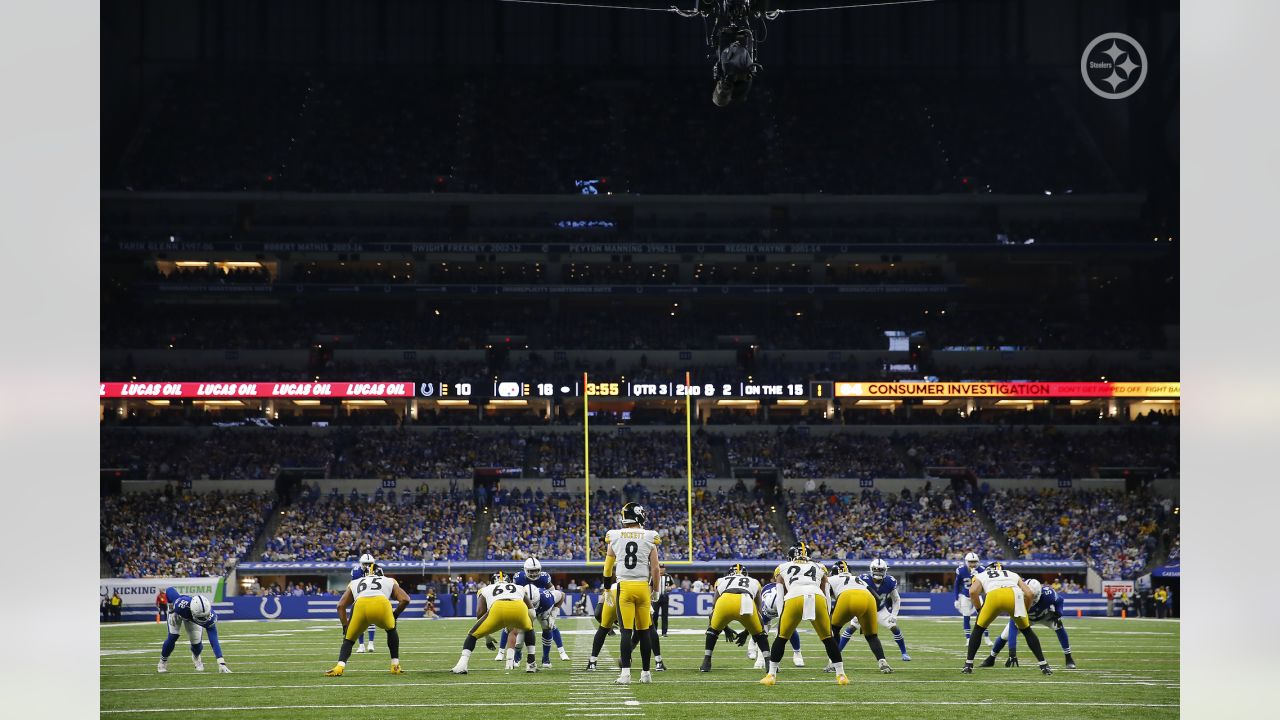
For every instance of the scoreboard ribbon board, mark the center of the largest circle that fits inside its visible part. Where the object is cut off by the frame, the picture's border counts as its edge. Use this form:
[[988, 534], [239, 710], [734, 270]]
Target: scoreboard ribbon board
[[1024, 390]]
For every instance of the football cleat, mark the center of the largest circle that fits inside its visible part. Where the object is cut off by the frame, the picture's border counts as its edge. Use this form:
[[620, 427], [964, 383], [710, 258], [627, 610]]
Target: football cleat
[[752, 652], [199, 665], [563, 655], [906, 657], [591, 666], [760, 663], [797, 658], [359, 649], [769, 679], [546, 664], [842, 679], [989, 661], [987, 638], [659, 666], [459, 669], [531, 667], [1046, 669], [162, 666], [830, 668], [1011, 662], [706, 664], [646, 677], [335, 671], [1071, 663], [966, 670], [623, 679], [884, 667], [500, 656], [511, 665], [370, 646], [395, 669]]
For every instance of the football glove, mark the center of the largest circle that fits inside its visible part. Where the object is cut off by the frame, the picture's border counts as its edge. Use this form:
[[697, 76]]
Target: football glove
[[742, 638], [222, 666], [730, 635], [957, 604]]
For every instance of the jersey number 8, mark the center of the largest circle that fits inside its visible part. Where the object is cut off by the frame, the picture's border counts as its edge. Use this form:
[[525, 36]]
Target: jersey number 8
[[630, 560]]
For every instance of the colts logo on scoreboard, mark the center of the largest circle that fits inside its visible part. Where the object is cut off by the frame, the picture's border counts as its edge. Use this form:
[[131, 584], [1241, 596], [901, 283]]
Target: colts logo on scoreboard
[[427, 389]]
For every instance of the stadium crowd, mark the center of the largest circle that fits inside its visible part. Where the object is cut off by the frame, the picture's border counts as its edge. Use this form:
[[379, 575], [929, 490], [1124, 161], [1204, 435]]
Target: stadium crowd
[[1115, 532], [150, 534], [904, 526], [435, 525]]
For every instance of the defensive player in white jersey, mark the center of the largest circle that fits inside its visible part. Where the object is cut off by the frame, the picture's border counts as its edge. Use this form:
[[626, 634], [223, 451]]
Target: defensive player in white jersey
[[633, 555], [1006, 594], [372, 595], [853, 601], [502, 605], [737, 600], [804, 583]]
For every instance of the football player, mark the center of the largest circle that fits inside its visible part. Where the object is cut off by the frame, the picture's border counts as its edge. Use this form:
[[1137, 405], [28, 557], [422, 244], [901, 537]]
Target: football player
[[357, 572], [888, 604], [804, 585], [853, 601], [606, 616], [633, 554], [770, 608], [1006, 594], [737, 599], [371, 594], [531, 575], [964, 577], [502, 604], [545, 614], [1046, 611], [194, 615]]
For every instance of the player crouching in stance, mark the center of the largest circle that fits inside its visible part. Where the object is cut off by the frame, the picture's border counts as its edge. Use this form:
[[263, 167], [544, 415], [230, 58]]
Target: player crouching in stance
[[502, 605], [372, 595], [357, 572], [633, 553], [195, 615], [888, 603], [1006, 594], [1046, 611], [804, 585], [737, 599], [854, 601]]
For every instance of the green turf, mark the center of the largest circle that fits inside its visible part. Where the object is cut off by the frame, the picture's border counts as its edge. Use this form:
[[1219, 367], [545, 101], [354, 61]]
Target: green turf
[[1128, 669]]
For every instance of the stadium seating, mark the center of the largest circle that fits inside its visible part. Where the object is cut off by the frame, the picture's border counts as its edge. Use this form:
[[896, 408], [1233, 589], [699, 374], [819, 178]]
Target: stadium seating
[[179, 535]]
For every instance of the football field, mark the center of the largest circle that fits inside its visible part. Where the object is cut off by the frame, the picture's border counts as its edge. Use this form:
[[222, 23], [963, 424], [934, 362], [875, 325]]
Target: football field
[[1127, 669]]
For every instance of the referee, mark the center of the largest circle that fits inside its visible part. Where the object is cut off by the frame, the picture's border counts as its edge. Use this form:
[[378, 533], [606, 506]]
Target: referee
[[661, 608]]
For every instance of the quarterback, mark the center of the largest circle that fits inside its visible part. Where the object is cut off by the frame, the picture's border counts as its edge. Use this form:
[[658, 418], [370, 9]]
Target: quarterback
[[633, 555]]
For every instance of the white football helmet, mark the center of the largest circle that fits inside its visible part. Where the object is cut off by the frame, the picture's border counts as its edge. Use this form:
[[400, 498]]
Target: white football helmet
[[1035, 587], [532, 596], [201, 610], [879, 568], [972, 560], [532, 568], [367, 559]]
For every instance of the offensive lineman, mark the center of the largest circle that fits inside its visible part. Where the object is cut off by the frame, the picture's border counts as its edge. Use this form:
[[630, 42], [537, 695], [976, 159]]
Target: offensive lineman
[[737, 599], [854, 601], [372, 595], [1046, 611], [195, 615], [502, 604], [804, 583], [888, 604], [633, 554], [357, 572], [1006, 593]]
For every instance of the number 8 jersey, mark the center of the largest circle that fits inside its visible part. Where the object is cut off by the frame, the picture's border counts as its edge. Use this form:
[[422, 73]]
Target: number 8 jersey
[[632, 547]]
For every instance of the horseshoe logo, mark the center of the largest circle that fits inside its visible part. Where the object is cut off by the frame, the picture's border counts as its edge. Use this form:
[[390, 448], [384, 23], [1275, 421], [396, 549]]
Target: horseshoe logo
[[262, 608]]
